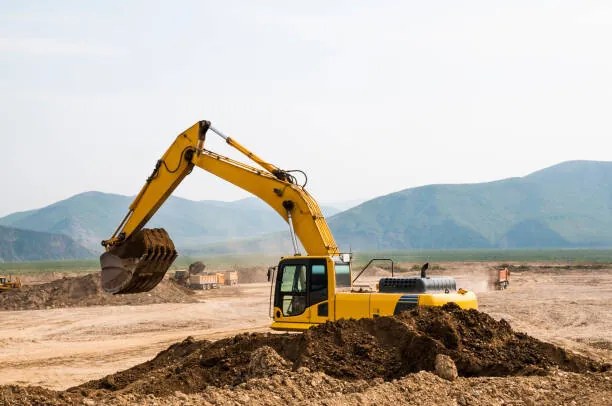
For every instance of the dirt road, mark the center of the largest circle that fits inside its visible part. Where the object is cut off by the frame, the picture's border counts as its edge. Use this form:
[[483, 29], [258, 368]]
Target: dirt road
[[59, 348]]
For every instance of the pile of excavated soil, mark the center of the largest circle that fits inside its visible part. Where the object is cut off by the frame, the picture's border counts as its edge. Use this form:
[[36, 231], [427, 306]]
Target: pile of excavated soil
[[377, 361], [87, 291], [386, 347]]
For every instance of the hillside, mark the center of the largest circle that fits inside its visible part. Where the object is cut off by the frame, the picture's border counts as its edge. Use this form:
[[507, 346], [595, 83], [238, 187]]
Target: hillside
[[90, 217], [24, 245], [566, 205]]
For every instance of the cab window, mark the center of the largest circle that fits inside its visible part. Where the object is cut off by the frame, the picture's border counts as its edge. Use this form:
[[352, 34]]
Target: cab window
[[293, 289], [318, 284]]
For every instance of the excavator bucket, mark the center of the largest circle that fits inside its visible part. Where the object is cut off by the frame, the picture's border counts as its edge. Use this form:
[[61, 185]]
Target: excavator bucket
[[138, 264]]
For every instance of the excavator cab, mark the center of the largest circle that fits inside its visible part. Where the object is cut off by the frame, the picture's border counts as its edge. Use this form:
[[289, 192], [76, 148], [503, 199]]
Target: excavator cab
[[301, 292], [303, 289], [300, 283]]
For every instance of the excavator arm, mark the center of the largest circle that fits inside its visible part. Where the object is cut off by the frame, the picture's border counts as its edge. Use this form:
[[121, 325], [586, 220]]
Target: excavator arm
[[137, 258]]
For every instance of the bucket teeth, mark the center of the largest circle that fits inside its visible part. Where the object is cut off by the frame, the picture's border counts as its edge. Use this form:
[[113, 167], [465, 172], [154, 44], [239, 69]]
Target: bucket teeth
[[138, 264]]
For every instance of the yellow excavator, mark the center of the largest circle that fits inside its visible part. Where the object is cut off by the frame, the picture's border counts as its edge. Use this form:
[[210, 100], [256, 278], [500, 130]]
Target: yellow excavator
[[308, 289]]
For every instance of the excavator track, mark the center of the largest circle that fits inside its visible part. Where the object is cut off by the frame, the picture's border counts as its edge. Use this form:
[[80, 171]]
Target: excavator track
[[138, 264]]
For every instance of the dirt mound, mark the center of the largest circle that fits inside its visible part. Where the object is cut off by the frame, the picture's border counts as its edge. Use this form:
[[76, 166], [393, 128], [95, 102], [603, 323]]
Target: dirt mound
[[253, 274], [317, 388], [391, 347], [387, 348], [86, 291]]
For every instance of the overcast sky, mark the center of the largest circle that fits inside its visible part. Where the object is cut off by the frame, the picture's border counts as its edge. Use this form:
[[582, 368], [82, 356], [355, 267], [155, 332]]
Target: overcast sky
[[367, 97]]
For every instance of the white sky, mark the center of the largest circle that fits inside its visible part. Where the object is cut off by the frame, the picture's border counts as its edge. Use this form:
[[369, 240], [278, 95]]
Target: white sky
[[367, 97]]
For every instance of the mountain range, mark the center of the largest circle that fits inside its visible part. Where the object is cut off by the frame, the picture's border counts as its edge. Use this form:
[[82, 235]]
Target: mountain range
[[90, 217], [566, 205], [24, 245]]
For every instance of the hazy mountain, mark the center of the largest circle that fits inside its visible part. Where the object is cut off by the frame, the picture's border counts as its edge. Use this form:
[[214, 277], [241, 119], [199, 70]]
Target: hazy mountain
[[328, 210], [341, 205], [566, 205], [91, 217], [25, 245]]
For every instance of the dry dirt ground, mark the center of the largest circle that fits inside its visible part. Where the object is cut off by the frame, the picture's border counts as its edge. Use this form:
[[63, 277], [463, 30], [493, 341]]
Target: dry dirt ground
[[63, 347]]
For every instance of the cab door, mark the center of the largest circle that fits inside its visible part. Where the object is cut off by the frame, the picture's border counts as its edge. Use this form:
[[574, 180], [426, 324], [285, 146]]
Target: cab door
[[291, 298]]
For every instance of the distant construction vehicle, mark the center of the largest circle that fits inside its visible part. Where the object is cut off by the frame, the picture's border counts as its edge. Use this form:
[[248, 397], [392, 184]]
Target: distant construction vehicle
[[308, 289], [9, 283], [206, 281], [231, 278], [195, 278], [503, 279], [182, 277]]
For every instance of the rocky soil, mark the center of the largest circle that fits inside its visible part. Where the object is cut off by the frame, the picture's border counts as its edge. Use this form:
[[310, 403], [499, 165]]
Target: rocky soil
[[388, 360]]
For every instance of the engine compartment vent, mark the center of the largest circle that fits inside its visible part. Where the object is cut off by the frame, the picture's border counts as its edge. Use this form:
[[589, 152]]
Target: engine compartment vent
[[417, 285]]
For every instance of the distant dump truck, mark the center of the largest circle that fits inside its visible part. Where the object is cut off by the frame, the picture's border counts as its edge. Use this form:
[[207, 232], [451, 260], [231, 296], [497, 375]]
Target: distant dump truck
[[503, 279], [231, 278], [206, 281], [182, 277]]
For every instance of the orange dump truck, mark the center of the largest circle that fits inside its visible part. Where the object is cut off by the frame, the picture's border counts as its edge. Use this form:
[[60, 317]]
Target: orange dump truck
[[503, 279], [206, 281]]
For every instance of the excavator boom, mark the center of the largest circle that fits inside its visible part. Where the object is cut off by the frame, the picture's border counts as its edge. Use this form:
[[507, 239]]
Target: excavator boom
[[137, 258]]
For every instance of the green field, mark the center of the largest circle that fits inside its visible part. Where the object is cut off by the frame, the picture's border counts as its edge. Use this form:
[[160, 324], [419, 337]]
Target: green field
[[415, 256]]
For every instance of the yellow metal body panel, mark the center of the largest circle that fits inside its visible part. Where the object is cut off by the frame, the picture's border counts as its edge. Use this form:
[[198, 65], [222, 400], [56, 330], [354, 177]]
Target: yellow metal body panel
[[291, 326], [352, 305], [314, 313], [466, 300], [303, 318], [383, 304]]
